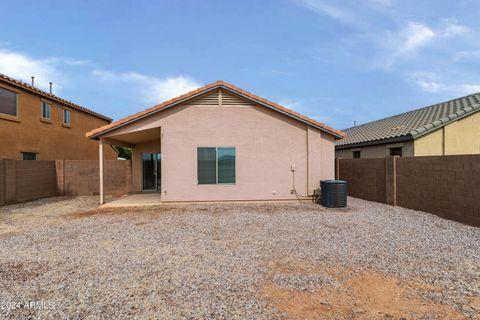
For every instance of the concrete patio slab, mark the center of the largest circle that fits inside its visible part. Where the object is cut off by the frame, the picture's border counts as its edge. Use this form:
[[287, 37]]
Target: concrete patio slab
[[135, 200]]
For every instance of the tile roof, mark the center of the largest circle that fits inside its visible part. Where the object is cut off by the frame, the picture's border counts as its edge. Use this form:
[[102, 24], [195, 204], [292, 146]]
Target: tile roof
[[219, 84], [26, 86], [411, 124]]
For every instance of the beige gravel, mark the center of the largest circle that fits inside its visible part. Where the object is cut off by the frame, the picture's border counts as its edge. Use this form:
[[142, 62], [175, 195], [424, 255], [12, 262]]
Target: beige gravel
[[224, 261]]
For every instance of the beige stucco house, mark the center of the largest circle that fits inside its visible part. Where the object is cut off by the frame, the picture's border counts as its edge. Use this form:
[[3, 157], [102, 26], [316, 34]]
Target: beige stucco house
[[38, 125], [447, 128], [221, 143]]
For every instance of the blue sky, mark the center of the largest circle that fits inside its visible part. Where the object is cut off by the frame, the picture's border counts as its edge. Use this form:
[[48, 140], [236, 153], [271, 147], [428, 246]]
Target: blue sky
[[335, 61]]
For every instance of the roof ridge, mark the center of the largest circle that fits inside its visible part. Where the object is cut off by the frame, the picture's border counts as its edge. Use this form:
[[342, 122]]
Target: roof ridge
[[206, 88], [448, 118], [413, 123], [421, 108], [27, 86]]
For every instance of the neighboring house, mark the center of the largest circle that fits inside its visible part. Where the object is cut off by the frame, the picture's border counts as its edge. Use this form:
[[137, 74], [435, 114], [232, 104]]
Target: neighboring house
[[223, 143], [37, 125], [447, 128]]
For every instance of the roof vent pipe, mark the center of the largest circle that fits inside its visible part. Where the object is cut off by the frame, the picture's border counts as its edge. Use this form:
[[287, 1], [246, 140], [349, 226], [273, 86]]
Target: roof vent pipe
[[33, 81], [50, 88]]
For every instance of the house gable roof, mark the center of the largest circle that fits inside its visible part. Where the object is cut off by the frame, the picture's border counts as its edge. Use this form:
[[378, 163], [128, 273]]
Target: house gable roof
[[94, 134], [19, 84], [411, 124]]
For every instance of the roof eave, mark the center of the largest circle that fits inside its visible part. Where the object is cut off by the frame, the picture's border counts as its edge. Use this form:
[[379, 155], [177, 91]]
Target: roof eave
[[403, 138], [419, 132], [97, 135], [25, 86]]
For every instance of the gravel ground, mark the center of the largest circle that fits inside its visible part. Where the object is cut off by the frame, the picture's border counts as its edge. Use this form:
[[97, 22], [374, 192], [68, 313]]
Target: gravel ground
[[212, 260]]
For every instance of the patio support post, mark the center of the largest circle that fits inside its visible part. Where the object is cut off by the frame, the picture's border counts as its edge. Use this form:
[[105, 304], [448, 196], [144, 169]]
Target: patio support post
[[100, 156]]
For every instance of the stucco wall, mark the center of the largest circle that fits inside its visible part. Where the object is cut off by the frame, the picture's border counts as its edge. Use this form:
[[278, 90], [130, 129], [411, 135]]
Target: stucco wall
[[51, 140], [461, 137], [267, 144], [376, 151], [430, 144]]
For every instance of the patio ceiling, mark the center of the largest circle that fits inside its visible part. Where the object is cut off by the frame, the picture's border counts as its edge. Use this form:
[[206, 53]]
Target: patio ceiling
[[132, 138]]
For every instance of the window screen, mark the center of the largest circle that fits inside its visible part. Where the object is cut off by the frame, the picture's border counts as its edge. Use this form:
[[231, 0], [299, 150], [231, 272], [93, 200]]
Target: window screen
[[207, 167], [66, 116], [45, 110], [8, 102], [226, 165]]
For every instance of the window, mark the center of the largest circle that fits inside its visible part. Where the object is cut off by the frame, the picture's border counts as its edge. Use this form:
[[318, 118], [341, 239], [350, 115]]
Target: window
[[356, 154], [46, 109], [66, 116], [216, 165], [396, 152], [8, 102], [29, 156]]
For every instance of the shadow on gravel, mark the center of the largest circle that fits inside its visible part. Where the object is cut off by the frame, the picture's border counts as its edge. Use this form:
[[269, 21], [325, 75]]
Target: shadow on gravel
[[206, 208]]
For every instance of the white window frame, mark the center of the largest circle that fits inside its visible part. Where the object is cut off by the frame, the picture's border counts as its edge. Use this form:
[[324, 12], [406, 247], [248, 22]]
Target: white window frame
[[69, 112], [49, 109]]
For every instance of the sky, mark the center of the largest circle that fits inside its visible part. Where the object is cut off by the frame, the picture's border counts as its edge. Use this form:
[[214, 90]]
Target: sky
[[334, 61]]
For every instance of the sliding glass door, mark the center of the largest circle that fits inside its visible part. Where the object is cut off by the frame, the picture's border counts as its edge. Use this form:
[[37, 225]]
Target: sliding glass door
[[151, 177]]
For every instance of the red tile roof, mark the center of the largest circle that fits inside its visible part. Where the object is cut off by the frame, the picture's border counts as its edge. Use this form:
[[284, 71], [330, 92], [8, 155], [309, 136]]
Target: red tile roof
[[97, 132], [26, 86]]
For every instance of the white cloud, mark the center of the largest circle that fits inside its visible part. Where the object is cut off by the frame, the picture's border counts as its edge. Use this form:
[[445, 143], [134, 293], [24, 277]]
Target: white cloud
[[466, 55], [148, 88], [453, 29], [434, 83], [323, 8], [408, 41], [415, 36], [382, 3], [23, 67]]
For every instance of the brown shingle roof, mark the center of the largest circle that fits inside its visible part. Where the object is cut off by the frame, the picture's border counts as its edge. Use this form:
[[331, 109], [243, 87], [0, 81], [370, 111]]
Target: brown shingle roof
[[26, 86], [219, 84], [411, 124]]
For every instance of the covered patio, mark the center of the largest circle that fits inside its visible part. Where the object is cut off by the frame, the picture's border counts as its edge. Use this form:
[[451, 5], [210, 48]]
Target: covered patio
[[146, 166]]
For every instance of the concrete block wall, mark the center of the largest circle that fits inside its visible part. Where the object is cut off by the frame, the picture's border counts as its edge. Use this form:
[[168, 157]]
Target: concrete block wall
[[22, 181], [447, 186], [2, 182], [34, 180], [366, 178], [81, 177], [26, 180]]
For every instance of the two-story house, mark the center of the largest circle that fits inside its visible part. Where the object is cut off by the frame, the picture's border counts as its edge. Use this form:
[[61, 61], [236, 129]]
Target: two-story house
[[37, 125]]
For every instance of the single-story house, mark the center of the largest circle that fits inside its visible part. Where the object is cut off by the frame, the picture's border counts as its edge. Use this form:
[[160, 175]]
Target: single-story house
[[447, 128], [221, 143]]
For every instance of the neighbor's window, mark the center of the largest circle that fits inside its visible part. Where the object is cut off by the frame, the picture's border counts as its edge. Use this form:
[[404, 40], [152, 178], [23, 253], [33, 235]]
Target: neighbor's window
[[356, 154], [396, 152], [216, 165], [66, 116], [46, 110], [29, 156], [8, 102]]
